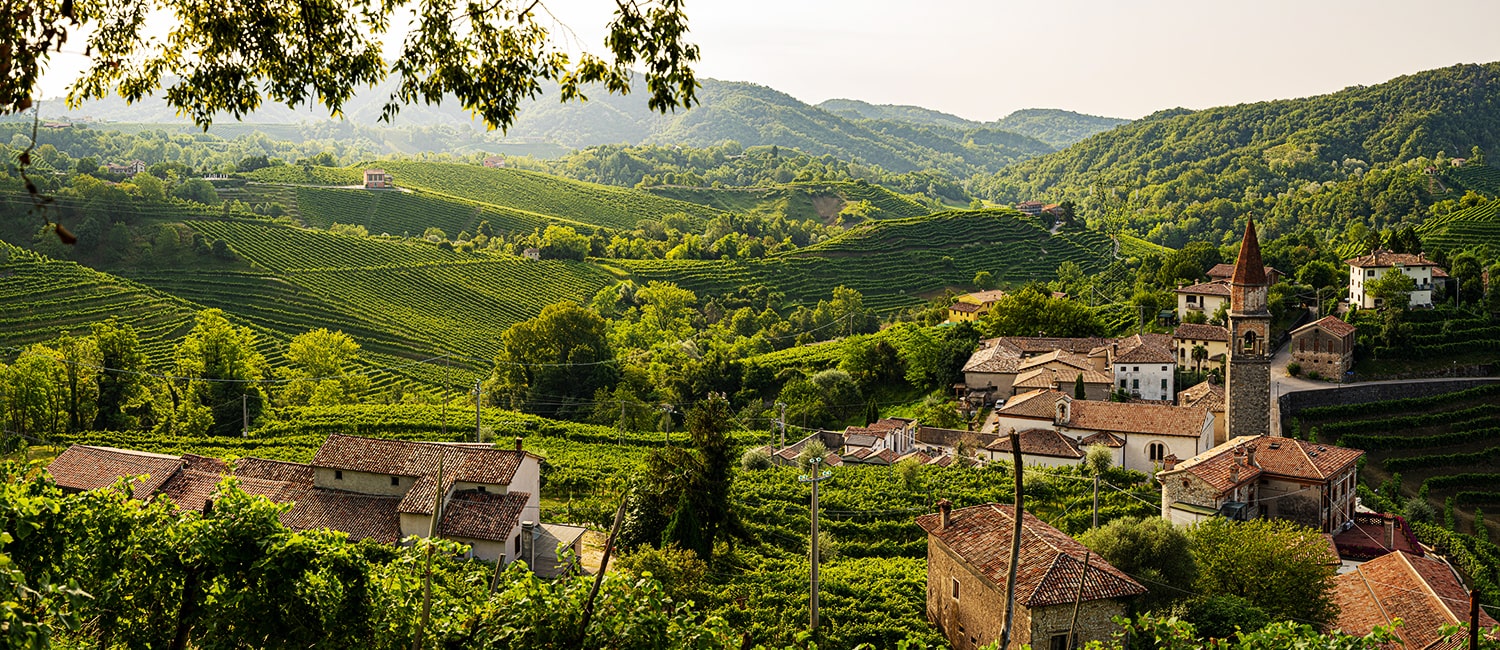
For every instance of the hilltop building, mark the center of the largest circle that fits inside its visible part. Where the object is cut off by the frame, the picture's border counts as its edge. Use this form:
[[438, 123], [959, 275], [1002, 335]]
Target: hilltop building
[[377, 489], [967, 566], [378, 179], [1031, 208], [1375, 265], [1251, 477], [1325, 347], [494, 162], [1248, 378], [1141, 436]]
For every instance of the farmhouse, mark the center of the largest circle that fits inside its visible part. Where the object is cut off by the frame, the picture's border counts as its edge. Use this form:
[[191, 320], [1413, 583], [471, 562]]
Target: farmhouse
[[378, 179], [967, 565], [494, 162], [1368, 268], [1204, 298], [1031, 208], [1423, 593], [1213, 339], [1044, 447], [970, 306], [1144, 434], [1325, 347], [1145, 366], [384, 490], [1251, 477]]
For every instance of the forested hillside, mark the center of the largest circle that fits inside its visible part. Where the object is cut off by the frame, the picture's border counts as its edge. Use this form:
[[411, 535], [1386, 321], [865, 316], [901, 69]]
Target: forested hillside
[[1054, 127], [1355, 156]]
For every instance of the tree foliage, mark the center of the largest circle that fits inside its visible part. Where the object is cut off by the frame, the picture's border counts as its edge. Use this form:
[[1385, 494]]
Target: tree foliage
[[1238, 559]]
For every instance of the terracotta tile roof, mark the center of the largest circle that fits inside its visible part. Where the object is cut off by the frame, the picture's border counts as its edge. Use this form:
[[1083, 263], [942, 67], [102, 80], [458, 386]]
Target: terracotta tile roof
[[83, 467], [1032, 345], [882, 457], [1156, 419], [1201, 332], [858, 454], [1033, 404], [1422, 592], [1207, 289], [993, 356], [1330, 324], [1283, 457], [1248, 269], [1146, 348], [1226, 271], [1379, 259], [360, 515], [1221, 471], [1102, 438], [1074, 359], [887, 424], [983, 297], [1049, 568], [950, 437], [1438, 272], [1206, 395], [966, 307], [482, 515], [944, 460], [1039, 442], [466, 462]]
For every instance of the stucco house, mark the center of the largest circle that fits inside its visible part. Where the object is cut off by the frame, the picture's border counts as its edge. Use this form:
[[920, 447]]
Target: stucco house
[[1367, 268], [1324, 346], [1141, 435], [1208, 395], [378, 179], [1252, 477], [994, 365], [1059, 370], [1204, 298], [378, 489], [970, 306], [494, 162], [1145, 366], [1213, 339], [968, 560], [1045, 447]]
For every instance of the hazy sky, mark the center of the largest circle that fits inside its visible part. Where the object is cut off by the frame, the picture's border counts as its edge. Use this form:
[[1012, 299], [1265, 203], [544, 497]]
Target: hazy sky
[[982, 60]]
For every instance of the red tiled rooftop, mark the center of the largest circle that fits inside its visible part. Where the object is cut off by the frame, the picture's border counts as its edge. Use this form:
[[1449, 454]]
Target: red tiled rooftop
[[83, 467]]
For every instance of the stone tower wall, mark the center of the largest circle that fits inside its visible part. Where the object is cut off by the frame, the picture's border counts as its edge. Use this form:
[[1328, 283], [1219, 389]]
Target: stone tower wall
[[1249, 397]]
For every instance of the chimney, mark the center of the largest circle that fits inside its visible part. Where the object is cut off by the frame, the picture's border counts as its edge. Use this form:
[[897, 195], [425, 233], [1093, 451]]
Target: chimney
[[1250, 456], [1169, 463], [945, 514], [518, 443], [1234, 473]]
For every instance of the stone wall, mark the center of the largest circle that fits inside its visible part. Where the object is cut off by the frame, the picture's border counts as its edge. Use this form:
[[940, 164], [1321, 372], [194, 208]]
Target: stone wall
[[1094, 622], [974, 619], [1294, 402]]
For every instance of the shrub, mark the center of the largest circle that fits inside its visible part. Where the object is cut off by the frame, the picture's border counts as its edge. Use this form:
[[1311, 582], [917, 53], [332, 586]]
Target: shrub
[[1293, 369], [1314, 375], [755, 459], [1220, 617]]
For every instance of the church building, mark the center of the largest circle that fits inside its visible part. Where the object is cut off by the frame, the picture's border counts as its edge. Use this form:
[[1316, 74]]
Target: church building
[[1248, 376]]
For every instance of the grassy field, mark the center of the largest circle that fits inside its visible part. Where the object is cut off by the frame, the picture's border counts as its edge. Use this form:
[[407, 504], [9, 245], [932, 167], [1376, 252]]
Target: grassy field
[[896, 262]]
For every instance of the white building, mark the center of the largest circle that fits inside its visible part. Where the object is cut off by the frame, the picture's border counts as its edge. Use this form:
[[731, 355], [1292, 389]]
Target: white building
[[1145, 366], [1368, 268], [1204, 298], [1142, 436]]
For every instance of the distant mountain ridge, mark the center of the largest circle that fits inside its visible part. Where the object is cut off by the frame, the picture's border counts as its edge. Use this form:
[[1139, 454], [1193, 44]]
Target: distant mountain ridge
[[900, 139], [1055, 127]]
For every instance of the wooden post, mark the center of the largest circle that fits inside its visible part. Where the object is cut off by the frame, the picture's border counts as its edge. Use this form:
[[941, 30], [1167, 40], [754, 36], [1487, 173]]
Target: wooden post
[[1015, 542], [1078, 599], [609, 545], [1474, 620]]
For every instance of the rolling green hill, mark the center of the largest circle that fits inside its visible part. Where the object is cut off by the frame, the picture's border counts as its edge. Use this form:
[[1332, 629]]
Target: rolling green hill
[[855, 109], [896, 262], [1483, 179], [405, 213], [1476, 226], [1056, 127], [1196, 174], [798, 200]]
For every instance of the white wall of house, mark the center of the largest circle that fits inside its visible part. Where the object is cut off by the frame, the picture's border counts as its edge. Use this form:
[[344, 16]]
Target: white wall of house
[[1032, 459], [1360, 276], [1197, 302], [1138, 449], [362, 482], [1147, 380]]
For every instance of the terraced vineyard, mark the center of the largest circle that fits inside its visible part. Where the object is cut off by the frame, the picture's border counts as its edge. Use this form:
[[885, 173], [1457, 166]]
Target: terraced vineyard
[[543, 195], [1483, 179], [407, 299], [1450, 442], [820, 201], [1471, 227], [405, 213], [296, 175], [895, 262], [44, 297]]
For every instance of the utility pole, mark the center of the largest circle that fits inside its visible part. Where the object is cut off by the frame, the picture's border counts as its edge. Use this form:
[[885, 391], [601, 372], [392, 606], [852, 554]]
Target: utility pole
[[781, 423], [1474, 620], [245, 413], [478, 436], [815, 477], [1078, 599], [443, 395], [1096, 501], [1015, 541], [609, 545]]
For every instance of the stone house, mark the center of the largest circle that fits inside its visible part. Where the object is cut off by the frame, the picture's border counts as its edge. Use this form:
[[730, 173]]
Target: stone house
[[1251, 477], [1145, 366], [1059, 370], [1371, 267], [1213, 338], [994, 365], [1324, 346], [1423, 593], [968, 560], [1142, 435], [378, 179], [1208, 395], [377, 489]]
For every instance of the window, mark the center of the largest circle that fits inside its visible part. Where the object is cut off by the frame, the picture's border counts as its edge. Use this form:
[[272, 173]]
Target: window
[[955, 588], [338, 475], [480, 488], [395, 480], [1370, 273], [1156, 452], [1060, 642], [518, 545], [1135, 368], [1163, 383], [1163, 368], [1122, 384], [1249, 341], [1135, 384]]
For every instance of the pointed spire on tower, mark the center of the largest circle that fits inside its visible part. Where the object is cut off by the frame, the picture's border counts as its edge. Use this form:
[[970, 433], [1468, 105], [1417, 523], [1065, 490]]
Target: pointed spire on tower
[[1249, 269]]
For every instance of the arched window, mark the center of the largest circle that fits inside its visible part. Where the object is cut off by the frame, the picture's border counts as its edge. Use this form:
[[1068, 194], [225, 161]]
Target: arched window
[[1156, 452], [1249, 341]]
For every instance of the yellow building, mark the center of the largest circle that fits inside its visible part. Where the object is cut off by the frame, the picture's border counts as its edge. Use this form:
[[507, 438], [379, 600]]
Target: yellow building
[[970, 306]]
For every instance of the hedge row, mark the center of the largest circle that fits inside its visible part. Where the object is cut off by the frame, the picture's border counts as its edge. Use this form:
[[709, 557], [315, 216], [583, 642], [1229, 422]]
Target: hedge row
[[1468, 497], [1471, 414], [1437, 349], [1467, 479], [1441, 460], [1399, 405], [1376, 443], [1476, 558]]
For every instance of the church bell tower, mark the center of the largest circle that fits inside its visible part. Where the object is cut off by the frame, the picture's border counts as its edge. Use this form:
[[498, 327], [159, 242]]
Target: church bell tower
[[1248, 374]]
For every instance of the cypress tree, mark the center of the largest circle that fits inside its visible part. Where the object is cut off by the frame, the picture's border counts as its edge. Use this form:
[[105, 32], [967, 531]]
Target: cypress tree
[[1078, 392]]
